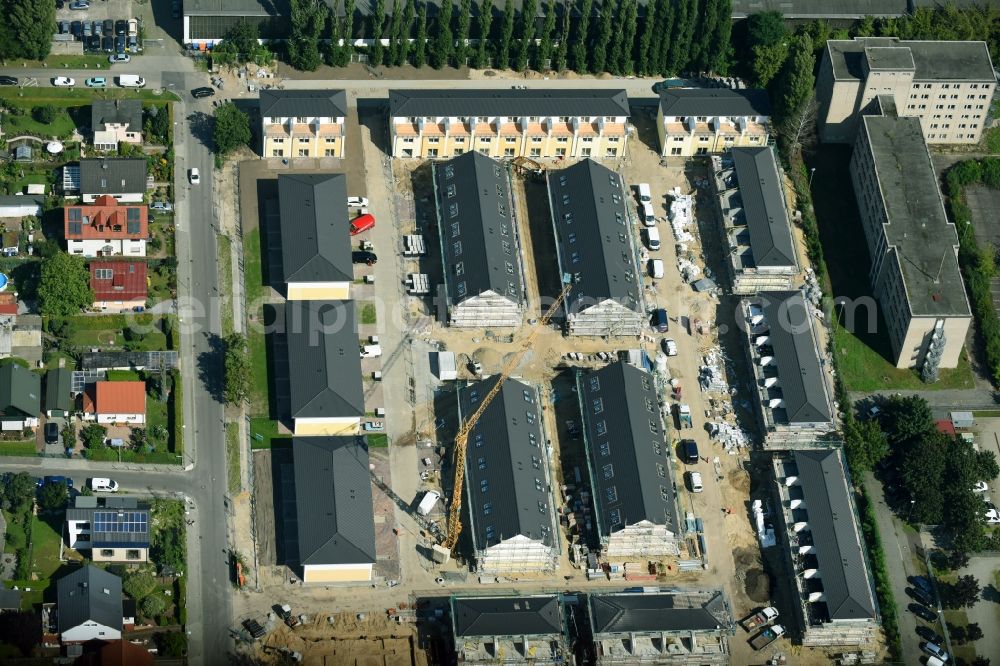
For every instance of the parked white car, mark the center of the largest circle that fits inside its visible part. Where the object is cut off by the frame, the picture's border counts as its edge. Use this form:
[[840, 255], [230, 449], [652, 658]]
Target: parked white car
[[981, 487], [357, 202], [63, 82], [103, 485], [194, 176], [992, 517]]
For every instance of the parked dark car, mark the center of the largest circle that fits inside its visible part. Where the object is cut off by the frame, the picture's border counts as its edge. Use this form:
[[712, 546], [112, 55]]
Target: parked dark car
[[929, 634], [76, 28], [54, 479], [204, 91], [108, 44], [63, 27], [94, 43], [119, 45], [364, 257], [923, 612], [109, 28], [121, 27], [921, 596], [689, 451], [8, 80], [51, 432], [921, 583], [79, 5], [660, 321]]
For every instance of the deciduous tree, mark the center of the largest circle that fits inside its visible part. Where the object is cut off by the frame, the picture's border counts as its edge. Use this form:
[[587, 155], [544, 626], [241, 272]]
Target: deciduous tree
[[93, 435], [581, 40], [529, 10], [485, 23], [395, 49], [506, 35], [238, 371], [232, 128], [139, 585], [561, 58], [543, 54], [605, 27], [643, 64], [462, 22], [797, 81], [621, 53], [308, 18], [444, 43], [420, 43], [31, 22], [64, 287], [409, 15], [378, 25]]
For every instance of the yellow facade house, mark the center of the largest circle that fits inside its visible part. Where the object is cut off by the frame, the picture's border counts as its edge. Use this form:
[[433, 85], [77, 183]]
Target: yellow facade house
[[303, 123]]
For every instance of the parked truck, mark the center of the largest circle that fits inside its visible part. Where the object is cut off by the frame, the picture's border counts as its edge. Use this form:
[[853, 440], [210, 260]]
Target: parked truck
[[766, 637], [760, 619], [682, 413]]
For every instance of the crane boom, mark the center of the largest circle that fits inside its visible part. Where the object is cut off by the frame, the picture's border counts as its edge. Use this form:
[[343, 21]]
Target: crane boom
[[462, 437]]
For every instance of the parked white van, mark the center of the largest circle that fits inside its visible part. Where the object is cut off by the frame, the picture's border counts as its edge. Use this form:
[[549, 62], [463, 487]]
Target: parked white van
[[103, 485], [371, 351], [647, 215], [653, 238], [645, 195], [656, 268], [131, 81]]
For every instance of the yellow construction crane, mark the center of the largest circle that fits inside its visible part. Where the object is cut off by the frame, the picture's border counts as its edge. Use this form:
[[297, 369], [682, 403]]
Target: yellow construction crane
[[462, 438]]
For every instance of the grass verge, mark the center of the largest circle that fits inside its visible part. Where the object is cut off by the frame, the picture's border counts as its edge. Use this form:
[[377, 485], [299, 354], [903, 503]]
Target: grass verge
[[378, 440], [23, 448], [264, 433], [233, 457], [368, 313], [226, 284]]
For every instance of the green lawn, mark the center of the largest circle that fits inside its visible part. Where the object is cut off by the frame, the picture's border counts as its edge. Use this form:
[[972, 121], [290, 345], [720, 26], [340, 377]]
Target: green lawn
[[23, 448], [253, 278], [62, 61], [61, 127], [368, 313], [156, 413], [12, 529], [52, 360], [863, 369], [264, 432], [106, 330], [992, 140], [124, 376], [226, 284], [32, 599], [233, 457], [81, 95], [377, 440], [46, 535], [108, 454], [260, 390]]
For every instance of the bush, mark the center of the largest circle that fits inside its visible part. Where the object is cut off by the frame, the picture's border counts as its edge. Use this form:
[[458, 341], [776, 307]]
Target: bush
[[883, 586], [139, 585], [153, 605], [44, 114]]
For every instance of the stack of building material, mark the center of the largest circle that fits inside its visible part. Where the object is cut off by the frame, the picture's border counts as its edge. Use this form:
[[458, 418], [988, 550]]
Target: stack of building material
[[710, 376], [732, 438]]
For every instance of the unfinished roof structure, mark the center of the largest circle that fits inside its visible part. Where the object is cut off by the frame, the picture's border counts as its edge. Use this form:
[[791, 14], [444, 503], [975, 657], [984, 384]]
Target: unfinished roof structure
[[508, 483], [480, 248]]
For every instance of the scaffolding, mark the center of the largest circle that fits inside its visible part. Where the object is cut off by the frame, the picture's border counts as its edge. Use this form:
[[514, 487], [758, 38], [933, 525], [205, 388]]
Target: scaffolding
[[488, 309], [642, 539]]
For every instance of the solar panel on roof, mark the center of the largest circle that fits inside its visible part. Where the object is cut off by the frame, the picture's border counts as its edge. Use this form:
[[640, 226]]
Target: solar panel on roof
[[132, 522]]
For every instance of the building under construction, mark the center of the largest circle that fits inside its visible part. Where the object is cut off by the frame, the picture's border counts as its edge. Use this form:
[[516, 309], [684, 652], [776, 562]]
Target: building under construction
[[689, 627], [480, 249], [594, 247], [509, 630], [828, 567], [508, 494], [628, 463]]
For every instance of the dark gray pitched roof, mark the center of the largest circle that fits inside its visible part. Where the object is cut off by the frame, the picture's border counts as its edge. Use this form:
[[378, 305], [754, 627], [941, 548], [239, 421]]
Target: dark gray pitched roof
[[507, 103], [10, 599], [112, 175], [821, 9], [315, 229], [592, 235], [303, 103], [22, 200], [918, 230], [89, 594], [628, 464], [115, 522], [790, 335], [714, 102], [324, 364], [20, 391], [479, 249], [506, 453], [116, 111], [58, 385], [932, 60], [539, 615], [764, 206], [845, 576], [333, 500], [626, 612]]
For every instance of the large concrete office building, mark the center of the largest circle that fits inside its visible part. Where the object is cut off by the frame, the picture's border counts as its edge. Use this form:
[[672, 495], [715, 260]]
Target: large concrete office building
[[755, 221], [315, 236], [702, 121], [948, 86], [628, 463], [303, 123], [913, 246], [794, 401], [560, 124], [595, 251], [508, 483], [480, 245], [823, 550], [690, 627], [527, 629]]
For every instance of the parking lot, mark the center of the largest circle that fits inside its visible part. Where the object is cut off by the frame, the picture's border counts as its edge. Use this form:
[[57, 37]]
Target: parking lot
[[107, 27]]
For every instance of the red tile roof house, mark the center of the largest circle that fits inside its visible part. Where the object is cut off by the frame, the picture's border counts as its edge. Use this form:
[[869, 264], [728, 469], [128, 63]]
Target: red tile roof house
[[118, 285], [106, 228], [115, 403]]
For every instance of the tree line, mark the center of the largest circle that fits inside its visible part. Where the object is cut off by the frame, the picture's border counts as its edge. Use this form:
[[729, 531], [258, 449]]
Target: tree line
[[610, 36]]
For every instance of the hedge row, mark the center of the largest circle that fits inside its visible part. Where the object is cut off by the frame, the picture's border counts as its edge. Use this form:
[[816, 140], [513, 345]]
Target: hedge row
[[883, 586], [977, 263], [810, 228], [176, 411]]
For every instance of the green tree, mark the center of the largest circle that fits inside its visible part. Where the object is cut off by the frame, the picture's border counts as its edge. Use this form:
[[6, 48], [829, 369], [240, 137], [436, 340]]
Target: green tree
[[241, 43], [308, 19], [864, 444], [168, 549], [561, 58], [31, 21], [93, 435], [172, 643], [153, 605], [462, 33], [643, 64], [581, 40], [444, 43], [506, 35], [766, 28], [138, 439], [395, 50], [334, 31], [232, 128], [701, 42], [420, 44], [64, 286], [665, 18], [986, 466], [138, 585], [53, 496], [409, 15], [18, 489], [925, 459], [44, 114], [621, 54], [687, 14], [529, 12], [237, 369], [797, 81], [543, 54], [720, 48], [605, 27], [906, 419], [378, 23], [159, 433], [963, 593], [484, 24], [974, 632], [350, 30]]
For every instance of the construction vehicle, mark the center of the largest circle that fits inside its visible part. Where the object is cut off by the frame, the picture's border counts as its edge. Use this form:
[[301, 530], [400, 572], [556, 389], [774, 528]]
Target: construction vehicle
[[527, 167], [760, 619], [462, 437], [766, 637], [683, 415], [285, 613]]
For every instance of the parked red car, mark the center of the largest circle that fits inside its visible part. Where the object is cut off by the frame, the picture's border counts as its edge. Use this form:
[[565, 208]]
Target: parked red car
[[362, 223]]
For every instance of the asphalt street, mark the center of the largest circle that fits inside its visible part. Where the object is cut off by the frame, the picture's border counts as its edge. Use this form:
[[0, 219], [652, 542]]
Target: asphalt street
[[202, 478]]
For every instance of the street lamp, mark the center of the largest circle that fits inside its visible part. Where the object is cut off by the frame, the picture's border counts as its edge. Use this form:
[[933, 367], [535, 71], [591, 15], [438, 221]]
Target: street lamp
[[812, 172]]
